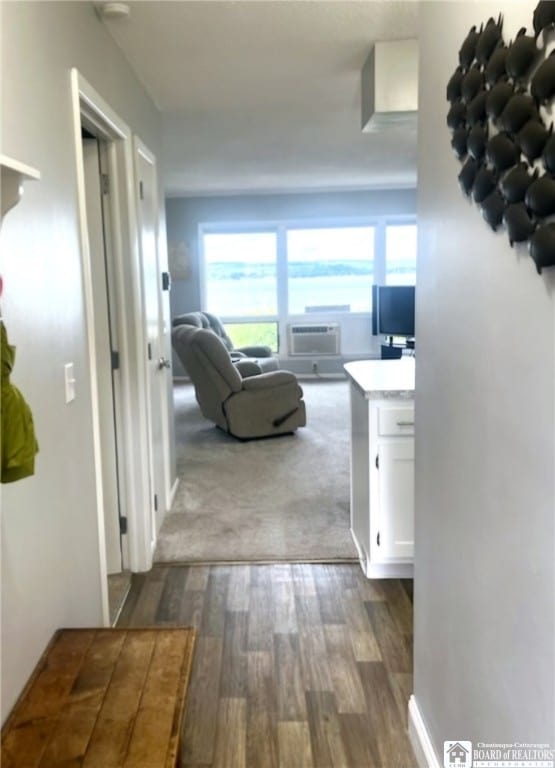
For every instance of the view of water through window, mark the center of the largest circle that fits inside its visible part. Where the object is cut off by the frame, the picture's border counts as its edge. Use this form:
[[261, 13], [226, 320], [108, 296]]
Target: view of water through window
[[400, 254], [329, 269], [241, 273]]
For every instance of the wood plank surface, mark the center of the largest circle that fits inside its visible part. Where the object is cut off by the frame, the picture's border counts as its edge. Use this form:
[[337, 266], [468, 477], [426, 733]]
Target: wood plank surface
[[104, 698], [296, 665]]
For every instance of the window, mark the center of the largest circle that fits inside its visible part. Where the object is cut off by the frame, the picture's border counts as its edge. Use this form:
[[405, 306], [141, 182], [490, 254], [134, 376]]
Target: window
[[241, 274], [259, 277], [330, 269], [253, 334], [400, 254]]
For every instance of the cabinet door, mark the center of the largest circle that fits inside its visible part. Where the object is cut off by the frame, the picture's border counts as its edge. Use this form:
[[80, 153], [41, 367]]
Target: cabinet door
[[396, 499]]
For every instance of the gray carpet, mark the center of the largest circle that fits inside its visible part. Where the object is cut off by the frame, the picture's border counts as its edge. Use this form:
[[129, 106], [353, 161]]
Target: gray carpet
[[284, 498]]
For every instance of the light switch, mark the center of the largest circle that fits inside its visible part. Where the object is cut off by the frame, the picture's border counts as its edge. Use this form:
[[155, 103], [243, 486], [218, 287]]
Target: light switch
[[69, 382]]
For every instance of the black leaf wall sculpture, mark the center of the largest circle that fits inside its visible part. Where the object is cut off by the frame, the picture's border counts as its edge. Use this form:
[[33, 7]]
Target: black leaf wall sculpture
[[477, 140], [544, 16], [456, 115], [519, 109], [484, 183], [502, 152], [459, 141], [515, 183], [498, 96], [476, 110], [543, 81], [540, 196], [488, 40], [472, 83], [468, 48], [519, 223], [454, 85], [522, 54], [467, 175], [542, 247], [532, 139], [548, 157], [493, 208], [496, 68]]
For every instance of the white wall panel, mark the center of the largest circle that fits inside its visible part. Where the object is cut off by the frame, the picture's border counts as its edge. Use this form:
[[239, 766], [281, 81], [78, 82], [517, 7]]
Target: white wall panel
[[485, 440], [50, 569]]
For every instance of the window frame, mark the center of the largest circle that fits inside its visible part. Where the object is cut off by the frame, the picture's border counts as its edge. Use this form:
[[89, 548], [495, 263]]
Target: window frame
[[402, 221], [280, 228]]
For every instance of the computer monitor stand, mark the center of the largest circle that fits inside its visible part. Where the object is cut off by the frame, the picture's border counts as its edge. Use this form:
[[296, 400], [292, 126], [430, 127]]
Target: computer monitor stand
[[389, 352]]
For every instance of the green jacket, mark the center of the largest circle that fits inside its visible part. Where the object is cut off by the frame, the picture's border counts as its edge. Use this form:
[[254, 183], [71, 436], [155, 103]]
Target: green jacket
[[18, 443]]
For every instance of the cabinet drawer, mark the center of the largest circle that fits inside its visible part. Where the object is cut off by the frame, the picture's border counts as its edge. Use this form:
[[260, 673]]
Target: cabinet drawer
[[396, 420]]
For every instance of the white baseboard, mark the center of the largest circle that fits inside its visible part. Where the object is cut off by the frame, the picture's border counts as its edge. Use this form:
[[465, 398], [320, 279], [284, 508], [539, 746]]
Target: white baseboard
[[420, 738]]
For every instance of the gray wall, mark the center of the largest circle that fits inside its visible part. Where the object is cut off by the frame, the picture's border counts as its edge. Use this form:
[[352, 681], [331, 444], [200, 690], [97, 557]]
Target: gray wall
[[485, 440], [50, 555], [185, 214]]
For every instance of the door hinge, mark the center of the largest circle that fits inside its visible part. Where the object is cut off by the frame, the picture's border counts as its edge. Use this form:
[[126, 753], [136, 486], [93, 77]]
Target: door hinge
[[141, 190], [378, 539], [105, 183], [123, 525], [377, 461], [149, 347], [156, 502], [115, 360], [166, 281]]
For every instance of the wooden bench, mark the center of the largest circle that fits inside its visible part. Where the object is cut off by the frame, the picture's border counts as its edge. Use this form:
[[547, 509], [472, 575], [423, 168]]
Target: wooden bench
[[103, 698]]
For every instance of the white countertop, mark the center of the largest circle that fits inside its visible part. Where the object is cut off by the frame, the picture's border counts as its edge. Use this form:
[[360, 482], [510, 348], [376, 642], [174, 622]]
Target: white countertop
[[383, 378]]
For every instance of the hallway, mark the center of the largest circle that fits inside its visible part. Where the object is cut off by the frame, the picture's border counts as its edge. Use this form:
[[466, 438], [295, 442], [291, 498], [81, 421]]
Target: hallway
[[295, 665]]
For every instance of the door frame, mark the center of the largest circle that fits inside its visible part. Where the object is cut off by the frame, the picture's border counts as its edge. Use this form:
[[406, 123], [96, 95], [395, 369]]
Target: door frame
[[101, 237], [142, 151], [90, 108]]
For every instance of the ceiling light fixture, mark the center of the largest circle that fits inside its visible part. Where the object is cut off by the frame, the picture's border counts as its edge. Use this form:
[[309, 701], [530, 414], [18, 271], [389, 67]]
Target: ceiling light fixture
[[112, 10]]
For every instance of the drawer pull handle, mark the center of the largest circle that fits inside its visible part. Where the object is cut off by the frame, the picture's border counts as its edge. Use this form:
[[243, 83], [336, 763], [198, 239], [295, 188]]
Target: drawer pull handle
[[405, 423]]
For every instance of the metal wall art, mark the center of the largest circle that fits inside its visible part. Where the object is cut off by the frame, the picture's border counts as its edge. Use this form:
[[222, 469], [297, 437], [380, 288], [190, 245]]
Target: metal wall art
[[501, 131]]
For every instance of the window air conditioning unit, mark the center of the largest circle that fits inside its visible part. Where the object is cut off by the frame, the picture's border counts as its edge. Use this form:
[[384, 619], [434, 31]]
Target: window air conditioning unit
[[322, 339]]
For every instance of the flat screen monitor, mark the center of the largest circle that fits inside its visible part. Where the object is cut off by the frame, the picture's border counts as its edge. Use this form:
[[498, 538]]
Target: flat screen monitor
[[393, 310]]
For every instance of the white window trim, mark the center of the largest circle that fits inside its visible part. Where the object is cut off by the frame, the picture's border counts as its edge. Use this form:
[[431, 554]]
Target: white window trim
[[280, 227]]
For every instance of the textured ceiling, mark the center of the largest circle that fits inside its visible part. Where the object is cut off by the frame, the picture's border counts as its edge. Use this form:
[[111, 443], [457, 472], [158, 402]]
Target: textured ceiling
[[264, 95]]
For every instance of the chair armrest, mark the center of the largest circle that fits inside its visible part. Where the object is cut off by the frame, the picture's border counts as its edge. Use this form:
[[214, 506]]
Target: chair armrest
[[269, 380], [247, 367], [256, 351]]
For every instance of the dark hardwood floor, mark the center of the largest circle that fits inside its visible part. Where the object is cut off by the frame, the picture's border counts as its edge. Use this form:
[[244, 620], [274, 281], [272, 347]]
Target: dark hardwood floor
[[295, 665]]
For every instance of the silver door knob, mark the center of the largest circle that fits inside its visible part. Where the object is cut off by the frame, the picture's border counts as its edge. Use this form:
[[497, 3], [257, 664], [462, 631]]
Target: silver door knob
[[163, 363]]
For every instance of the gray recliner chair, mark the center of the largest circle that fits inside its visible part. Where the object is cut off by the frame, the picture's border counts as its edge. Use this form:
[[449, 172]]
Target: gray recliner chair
[[250, 360], [258, 406]]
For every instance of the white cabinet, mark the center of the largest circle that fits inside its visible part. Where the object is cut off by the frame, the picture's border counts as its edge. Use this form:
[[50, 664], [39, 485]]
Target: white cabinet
[[382, 466], [394, 518]]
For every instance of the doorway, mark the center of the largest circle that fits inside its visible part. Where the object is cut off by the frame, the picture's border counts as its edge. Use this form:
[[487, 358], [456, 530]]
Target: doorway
[[99, 234], [158, 364], [97, 191], [117, 344]]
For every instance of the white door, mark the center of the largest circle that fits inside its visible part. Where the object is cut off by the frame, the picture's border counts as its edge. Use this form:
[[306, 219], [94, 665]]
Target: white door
[[158, 365], [105, 346], [396, 498]]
